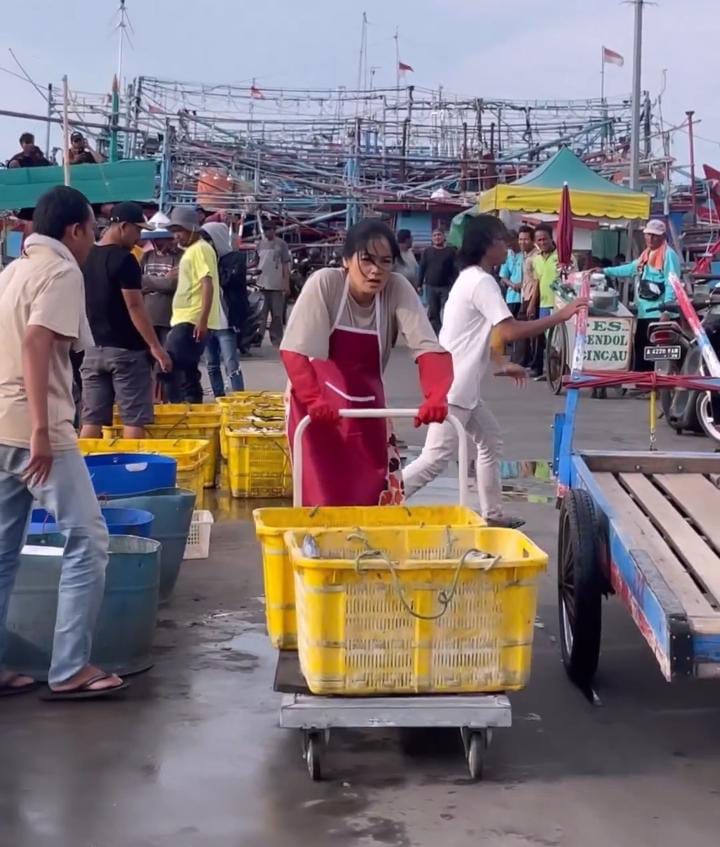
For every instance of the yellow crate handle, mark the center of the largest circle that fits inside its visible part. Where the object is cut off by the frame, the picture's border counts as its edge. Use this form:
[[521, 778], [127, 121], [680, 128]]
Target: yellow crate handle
[[445, 596]]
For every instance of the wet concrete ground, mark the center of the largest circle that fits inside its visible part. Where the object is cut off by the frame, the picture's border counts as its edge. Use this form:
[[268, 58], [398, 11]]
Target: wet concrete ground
[[193, 756]]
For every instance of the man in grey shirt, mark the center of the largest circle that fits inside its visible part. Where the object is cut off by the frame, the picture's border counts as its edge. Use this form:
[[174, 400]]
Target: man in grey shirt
[[274, 266]]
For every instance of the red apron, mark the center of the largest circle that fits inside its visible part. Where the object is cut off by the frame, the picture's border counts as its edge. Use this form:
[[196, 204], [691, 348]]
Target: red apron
[[346, 464]]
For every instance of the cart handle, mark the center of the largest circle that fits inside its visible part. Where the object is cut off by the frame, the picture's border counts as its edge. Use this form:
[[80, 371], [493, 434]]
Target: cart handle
[[378, 413]]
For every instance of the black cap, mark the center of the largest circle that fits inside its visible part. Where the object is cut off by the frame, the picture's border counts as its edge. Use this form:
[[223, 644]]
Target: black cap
[[129, 213], [77, 136]]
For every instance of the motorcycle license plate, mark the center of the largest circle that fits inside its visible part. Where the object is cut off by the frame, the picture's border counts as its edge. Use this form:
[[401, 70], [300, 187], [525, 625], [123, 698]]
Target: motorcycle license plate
[[663, 353]]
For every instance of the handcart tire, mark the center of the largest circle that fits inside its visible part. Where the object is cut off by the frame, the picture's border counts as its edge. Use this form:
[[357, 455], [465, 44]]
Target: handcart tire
[[580, 588], [313, 745], [556, 364], [705, 416], [476, 753]]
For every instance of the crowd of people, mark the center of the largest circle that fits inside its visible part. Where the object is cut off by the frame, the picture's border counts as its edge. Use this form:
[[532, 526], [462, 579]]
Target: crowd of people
[[135, 310]]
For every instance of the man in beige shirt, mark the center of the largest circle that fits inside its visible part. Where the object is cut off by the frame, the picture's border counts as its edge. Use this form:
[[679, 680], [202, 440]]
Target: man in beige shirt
[[42, 316]]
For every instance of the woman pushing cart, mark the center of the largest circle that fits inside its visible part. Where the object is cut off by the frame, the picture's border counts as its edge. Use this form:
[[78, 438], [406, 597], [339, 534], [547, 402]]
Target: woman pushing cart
[[335, 349]]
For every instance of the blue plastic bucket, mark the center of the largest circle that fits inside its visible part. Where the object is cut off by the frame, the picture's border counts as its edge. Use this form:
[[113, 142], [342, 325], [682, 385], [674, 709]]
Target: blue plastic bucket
[[173, 510], [115, 474], [119, 521], [123, 637]]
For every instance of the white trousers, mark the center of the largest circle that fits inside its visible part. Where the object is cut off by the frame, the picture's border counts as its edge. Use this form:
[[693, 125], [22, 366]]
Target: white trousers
[[441, 447]]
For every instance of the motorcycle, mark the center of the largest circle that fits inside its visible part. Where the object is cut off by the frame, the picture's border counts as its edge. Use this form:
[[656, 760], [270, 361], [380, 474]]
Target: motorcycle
[[674, 350], [252, 332]]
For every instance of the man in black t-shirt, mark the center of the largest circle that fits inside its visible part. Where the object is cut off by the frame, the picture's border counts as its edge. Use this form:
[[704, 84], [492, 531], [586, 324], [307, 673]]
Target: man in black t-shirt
[[118, 368], [437, 273]]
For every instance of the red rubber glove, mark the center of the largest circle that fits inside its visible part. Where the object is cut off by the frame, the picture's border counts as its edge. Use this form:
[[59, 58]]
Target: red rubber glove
[[307, 389], [436, 376]]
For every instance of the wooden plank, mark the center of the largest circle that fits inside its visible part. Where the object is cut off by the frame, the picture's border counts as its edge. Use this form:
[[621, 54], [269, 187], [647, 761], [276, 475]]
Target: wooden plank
[[699, 498], [688, 544], [637, 532], [621, 461]]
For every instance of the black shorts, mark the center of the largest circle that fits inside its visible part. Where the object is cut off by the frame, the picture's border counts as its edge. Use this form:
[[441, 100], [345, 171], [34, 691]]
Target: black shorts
[[110, 375]]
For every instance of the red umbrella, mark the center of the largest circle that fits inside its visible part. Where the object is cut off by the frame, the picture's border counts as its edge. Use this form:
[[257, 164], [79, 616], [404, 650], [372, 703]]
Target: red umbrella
[[564, 231]]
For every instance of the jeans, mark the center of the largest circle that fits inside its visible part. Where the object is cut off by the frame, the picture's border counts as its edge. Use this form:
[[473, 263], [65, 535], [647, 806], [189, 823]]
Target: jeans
[[68, 495], [273, 305], [538, 363], [436, 300], [222, 343], [184, 381], [441, 446]]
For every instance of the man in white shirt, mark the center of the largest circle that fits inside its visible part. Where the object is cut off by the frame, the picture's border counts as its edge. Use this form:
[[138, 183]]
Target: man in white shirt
[[477, 322]]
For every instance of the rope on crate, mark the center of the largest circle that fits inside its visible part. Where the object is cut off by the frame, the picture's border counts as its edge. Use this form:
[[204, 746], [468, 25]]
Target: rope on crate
[[445, 596]]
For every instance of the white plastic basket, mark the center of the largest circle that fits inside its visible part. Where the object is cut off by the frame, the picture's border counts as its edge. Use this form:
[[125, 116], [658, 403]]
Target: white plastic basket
[[198, 543]]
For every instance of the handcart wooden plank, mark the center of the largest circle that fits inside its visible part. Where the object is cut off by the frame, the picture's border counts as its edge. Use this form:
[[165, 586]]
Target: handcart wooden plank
[[688, 545], [699, 498], [639, 533], [618, 461]]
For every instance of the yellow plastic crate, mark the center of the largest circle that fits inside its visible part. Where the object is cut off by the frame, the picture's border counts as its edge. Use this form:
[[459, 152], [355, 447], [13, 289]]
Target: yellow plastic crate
[[272, 523], [205, 414], [191, 455], [258, 464], [249, 415], [406, 610], [186, 451], [251, 397], [193, 478], [182, 431]]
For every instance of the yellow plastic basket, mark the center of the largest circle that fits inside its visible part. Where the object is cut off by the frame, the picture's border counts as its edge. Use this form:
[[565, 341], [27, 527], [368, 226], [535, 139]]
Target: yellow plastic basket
[[192, 455], [272, 523], [181, 413], [183, 430], [405, 610], [251, 414], [258, 464], [237, 397]]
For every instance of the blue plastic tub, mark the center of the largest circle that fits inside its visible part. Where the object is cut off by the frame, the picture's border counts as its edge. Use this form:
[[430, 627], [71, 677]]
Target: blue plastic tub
[[116, 474], [119, 522], [126, 625]]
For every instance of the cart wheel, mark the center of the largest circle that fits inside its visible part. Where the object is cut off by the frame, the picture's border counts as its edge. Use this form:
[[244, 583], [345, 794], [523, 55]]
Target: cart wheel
[[557, 358], [476, 749], [313, 744], [580, 586]]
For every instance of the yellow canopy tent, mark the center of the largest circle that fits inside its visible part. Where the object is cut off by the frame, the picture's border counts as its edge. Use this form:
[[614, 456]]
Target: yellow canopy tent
[[590, 194]]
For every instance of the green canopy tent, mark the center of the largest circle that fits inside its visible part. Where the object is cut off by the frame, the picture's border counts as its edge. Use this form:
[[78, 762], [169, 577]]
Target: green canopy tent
[[591, 195], [21, 188]]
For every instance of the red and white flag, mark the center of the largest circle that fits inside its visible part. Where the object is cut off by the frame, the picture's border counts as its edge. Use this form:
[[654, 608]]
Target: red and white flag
[[256, 93], [402, 67], [610, 57]]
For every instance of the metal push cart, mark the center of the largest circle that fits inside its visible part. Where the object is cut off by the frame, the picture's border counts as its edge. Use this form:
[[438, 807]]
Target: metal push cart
[[643, 526], [476, 715], [610, 334]]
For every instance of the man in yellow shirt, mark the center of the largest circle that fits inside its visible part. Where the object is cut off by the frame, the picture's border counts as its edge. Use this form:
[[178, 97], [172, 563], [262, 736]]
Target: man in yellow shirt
[[195, 307], [545, 270]]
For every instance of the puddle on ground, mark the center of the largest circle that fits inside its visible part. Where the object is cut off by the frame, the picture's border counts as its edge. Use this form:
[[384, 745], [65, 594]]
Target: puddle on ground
[[529, 481]]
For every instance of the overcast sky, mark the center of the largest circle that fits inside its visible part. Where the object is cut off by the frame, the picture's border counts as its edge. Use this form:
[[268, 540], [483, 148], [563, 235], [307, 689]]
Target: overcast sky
[[524, 49]]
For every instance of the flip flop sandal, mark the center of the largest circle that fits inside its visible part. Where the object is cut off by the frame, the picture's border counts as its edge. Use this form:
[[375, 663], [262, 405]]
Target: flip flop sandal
[[84, 691], [7, 690]]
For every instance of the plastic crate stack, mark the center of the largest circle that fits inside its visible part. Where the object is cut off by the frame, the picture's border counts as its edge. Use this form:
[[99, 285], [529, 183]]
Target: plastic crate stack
[[254, 445], [178, 422], [192, 455]]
